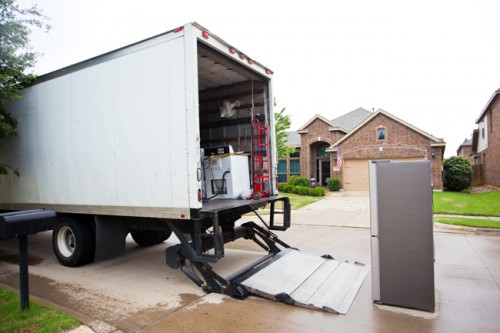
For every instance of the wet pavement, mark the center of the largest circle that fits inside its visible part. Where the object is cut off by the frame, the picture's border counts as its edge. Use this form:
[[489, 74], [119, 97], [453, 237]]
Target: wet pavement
[[139, 293]]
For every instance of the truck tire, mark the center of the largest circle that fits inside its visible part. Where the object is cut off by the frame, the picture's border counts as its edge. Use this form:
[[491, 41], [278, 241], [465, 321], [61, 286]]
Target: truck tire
[[149, 237], [73, 242]]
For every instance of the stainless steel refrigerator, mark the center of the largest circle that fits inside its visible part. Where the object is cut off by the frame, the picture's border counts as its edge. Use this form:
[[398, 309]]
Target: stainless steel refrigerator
[[402, 234]]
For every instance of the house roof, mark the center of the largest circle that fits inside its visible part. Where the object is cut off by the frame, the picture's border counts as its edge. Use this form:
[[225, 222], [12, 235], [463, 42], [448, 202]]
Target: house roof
[[352, 119], [467, 142], [490, 102], [436, 141], [303, 128]]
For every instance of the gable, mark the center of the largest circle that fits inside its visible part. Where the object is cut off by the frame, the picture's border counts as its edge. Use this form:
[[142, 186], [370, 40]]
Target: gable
[[315, 119], [397, 131]]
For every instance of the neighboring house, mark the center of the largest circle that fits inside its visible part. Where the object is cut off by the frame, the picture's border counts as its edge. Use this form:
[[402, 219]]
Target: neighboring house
[[356, 138], [486, 141], [465, 150]]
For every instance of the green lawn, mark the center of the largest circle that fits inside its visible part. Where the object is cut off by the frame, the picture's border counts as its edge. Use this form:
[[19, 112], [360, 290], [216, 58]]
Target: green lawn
[[485, 204], [479, 204], [299, 201], [35, 319]]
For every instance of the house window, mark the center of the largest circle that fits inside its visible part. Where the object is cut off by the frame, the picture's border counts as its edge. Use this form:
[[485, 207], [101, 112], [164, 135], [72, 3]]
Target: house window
[[381, 133], [282, 171], [294, 167], [321, 149]]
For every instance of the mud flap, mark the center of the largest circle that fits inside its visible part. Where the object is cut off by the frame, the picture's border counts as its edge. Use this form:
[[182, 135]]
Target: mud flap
[[306, 280]]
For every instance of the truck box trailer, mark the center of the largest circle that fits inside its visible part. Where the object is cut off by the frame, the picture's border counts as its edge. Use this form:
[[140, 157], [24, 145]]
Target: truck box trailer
[[174, 133]]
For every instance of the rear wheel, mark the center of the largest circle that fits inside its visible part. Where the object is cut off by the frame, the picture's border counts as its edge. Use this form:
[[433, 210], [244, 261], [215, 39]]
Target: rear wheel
[[73, 242], [149, 237]]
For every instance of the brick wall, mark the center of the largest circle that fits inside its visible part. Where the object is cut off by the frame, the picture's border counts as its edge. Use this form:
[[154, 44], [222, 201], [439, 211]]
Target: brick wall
[[466, 151], [491, 163], [400, 142], [317, 131]]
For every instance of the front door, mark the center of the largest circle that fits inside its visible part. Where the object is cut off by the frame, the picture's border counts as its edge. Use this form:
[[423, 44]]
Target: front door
[[325, 172], [322, 171]]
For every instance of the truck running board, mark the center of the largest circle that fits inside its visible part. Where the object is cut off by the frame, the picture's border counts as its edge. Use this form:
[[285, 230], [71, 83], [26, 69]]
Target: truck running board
[[297, 278]]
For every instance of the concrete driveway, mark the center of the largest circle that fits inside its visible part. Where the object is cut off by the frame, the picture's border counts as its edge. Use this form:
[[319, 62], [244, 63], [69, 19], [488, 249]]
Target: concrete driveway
[[139, 293]]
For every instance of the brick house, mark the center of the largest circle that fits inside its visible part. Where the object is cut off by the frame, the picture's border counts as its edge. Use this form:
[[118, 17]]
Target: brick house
[[357, 137], [486, 141], [465, 150]]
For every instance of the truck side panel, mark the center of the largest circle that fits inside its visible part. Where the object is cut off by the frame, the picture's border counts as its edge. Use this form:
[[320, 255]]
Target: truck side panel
[[110, 138]]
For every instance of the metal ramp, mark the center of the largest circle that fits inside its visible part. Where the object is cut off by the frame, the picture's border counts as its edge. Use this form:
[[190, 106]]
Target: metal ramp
[[306, 280]]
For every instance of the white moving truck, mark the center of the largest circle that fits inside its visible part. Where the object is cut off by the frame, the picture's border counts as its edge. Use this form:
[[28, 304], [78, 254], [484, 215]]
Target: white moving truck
[[173, 133]]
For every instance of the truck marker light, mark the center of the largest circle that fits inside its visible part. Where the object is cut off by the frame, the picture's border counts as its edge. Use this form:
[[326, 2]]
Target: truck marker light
[[205, 34], [199, 195], [268, 71], [242, 56], [231, 50], [250, 61], [183, 216], [179, 29]]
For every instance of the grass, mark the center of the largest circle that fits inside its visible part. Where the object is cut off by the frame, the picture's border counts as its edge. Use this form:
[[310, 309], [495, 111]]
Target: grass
[[37, 318], [479, 204], [468, 222], [299, 201]]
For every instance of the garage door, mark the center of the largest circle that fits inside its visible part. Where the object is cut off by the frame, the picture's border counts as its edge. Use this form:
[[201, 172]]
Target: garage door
[[356, 173]]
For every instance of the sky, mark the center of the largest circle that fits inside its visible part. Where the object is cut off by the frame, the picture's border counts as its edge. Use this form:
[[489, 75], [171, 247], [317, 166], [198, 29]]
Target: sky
[[432, 63]]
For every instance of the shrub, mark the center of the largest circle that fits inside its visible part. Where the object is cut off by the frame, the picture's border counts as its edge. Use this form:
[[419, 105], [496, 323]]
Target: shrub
[[333, 184], [281, 187], [292, 180], [317, 192], [298, 181], [302, 190], [288, 188], [457, 173]]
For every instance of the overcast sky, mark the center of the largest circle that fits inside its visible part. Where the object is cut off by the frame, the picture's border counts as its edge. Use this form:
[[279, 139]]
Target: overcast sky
[[431, 63]]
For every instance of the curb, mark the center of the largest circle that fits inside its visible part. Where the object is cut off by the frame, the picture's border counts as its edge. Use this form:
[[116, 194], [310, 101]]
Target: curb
[[470, 230]]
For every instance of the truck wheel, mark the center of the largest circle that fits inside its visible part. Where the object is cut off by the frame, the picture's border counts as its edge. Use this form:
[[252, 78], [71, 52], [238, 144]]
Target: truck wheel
[[149, 237], [73, 242]]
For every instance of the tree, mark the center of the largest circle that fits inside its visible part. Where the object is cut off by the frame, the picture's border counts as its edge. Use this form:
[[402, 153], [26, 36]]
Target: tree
[[16, 58], [458, 173], [282, 123]]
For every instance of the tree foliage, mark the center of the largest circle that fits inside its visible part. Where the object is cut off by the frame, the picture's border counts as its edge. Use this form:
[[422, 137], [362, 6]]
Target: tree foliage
[[458, 173], [282, 123], [16, 58]]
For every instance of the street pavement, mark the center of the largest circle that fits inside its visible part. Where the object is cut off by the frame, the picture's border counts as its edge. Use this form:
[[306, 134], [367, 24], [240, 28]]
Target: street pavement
[[139, 293]]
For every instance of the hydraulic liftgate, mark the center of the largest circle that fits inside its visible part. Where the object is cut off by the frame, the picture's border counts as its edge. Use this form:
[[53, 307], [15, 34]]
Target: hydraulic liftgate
[[285, 274]]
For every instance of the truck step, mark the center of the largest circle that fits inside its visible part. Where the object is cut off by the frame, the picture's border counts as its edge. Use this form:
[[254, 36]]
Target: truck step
[[306, 280]]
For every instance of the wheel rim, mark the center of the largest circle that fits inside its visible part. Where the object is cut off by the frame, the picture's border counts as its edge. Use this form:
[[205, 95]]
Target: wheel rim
[[66, 241]]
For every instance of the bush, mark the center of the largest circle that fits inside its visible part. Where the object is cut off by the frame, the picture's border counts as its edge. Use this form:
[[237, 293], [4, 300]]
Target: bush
[[333, 184], [302, 190], [288, 188], [281, 187], [298, 181], [317, 192], [457, 173]]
